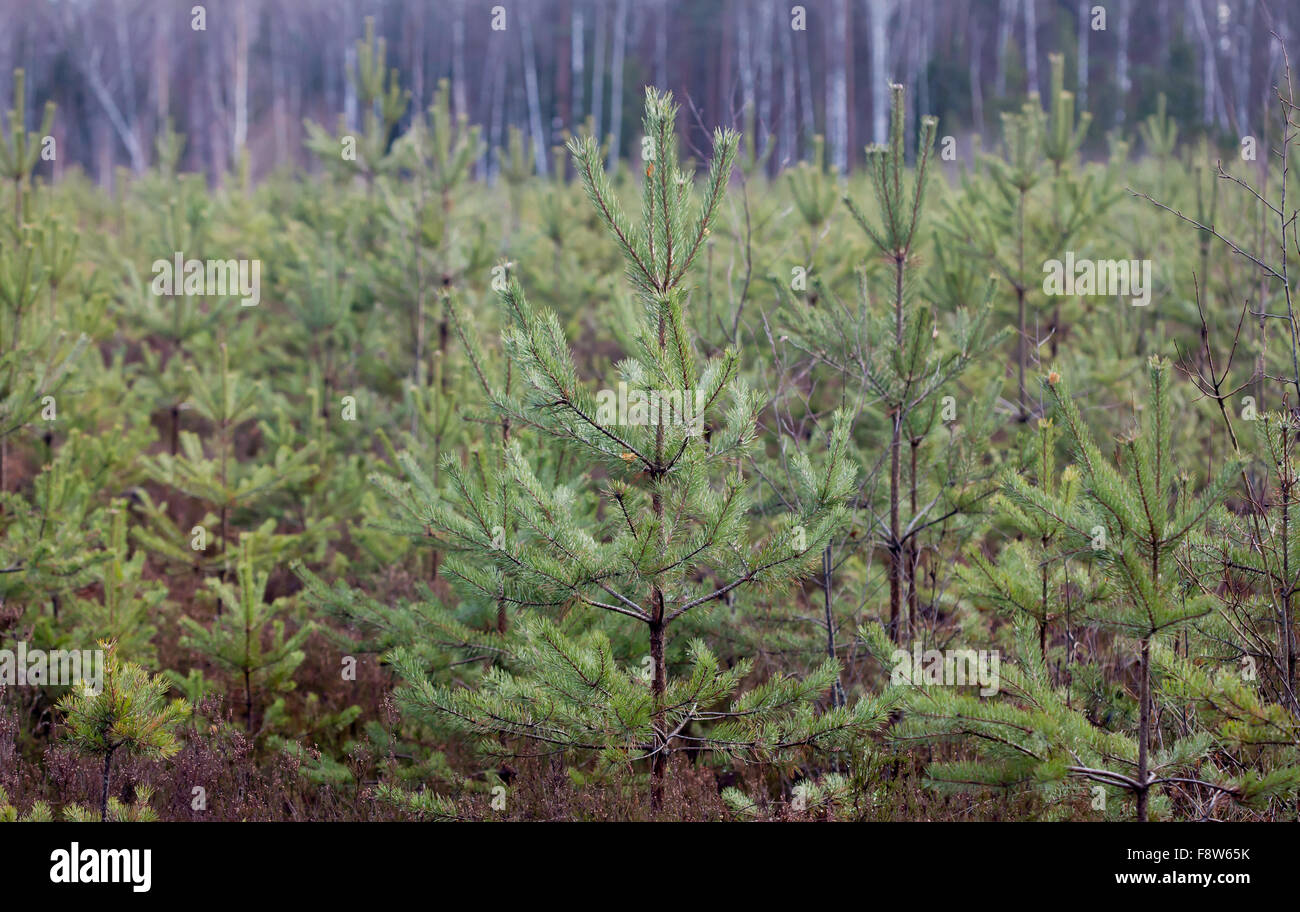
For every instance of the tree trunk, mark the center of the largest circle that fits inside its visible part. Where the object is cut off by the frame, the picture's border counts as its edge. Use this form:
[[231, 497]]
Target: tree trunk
[[598, 73], [837, 692], [976, 86], [1031, 46], [913, 593], [561, 105], [239, 135], [1084, 31], [103, 792], [1208, 87], [1121, 60], [1006, 23], [806, 107], [763, 90], [534, 98], [459, 77], [658, 685], [1021, 354], [248, 696], [788, 148], [895, 475], [579, 62], [879, 72], [836, 90], [895, 550], [616, 83], [1144, 729], [850, 131]]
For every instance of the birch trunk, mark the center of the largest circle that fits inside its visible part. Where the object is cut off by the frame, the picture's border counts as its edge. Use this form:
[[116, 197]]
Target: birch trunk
[[616, 82], [1006, 22], [239, 135], [807, 108], [1031, 46], [459, 77], [879, 72], [598, 73], [1121, 60], [578, 55], [788, 146], [534, 98], [1085, 31], [836, 90]]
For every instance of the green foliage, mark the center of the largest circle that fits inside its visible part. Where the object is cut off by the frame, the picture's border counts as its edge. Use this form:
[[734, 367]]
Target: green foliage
[[248, 638], [129, 713], [20, 149], [129, 605], [382, 101]]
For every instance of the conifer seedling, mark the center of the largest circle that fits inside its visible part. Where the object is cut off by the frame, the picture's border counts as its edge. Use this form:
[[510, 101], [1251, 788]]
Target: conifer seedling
[[130, 716]]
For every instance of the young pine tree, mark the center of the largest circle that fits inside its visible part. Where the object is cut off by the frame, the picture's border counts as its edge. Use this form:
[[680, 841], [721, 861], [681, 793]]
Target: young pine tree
[[227, 401], [892, 355], [674, 537], [129, 603], [21, 149], [248, 639], [128, 716], [382, 101], [1129, 521]]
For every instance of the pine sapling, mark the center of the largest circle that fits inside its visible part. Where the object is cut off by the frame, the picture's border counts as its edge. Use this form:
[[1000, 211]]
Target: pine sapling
[[128, 716]]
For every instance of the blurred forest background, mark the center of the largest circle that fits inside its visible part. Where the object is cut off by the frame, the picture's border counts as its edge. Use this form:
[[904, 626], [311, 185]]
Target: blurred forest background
[[119, 69]]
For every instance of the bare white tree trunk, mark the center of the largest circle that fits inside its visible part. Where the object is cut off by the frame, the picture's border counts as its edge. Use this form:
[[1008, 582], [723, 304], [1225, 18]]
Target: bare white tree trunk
[[878, 11], [745, 48], [239, 135], [1241, 78], [125, 64], [976, 84], [87, 54], [926, 26], [1006, 22], [162, 66], [1210, 90], [661, 46], [497, 127], [836, 90], [769, 12], [1031, 46], [598, 72], [916, 14], [218, 115], [578, 58], [1085, 31], [788, 147], [1121, 59], [459, 78], [1223, 42], [279, 101], [806, 108], [349, 89], [616, 82], [534, 98]]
